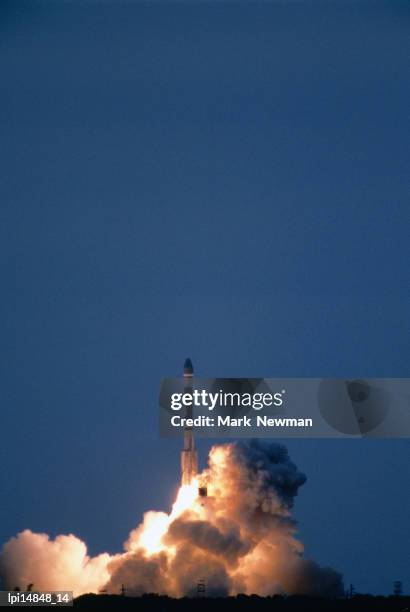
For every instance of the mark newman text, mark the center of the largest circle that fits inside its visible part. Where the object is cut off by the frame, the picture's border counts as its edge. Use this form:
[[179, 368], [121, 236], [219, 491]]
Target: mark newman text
[[228, 421]]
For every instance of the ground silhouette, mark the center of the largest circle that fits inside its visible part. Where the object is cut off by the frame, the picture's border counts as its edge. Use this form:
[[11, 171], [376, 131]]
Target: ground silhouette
[[245, 603]]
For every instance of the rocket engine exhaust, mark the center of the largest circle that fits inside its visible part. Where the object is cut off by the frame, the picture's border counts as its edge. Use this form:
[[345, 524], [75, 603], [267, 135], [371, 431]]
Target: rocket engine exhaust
[[242, 539]]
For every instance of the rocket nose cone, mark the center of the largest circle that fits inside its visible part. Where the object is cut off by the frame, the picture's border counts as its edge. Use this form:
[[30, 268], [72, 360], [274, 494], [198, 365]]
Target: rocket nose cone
[[188, 367]]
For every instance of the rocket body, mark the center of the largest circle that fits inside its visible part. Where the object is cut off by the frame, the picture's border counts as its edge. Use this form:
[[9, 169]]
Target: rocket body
[[189, 459], [189, 455]]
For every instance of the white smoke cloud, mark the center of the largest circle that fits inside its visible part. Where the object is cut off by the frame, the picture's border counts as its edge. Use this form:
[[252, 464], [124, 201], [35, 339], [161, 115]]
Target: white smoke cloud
[[239, 539], [61, 564]]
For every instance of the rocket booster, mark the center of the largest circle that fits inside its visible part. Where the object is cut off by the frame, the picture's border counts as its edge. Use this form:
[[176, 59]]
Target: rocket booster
[[189, 456]]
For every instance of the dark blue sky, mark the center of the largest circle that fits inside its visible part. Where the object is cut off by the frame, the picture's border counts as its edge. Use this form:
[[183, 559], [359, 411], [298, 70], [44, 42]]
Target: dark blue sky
[[225, 181]]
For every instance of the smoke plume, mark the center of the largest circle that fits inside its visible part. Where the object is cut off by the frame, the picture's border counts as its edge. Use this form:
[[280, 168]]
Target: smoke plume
[[238, 539]]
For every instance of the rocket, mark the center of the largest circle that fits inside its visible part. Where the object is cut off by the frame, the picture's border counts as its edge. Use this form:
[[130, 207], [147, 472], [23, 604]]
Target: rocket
[[189, 455]]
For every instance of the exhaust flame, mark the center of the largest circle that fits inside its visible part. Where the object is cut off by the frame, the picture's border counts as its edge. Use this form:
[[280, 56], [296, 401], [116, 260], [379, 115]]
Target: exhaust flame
[[186, 498], [155, 524], [239, 539]]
